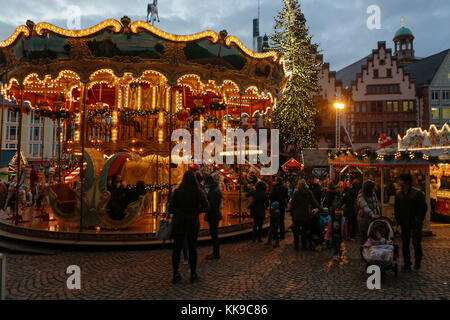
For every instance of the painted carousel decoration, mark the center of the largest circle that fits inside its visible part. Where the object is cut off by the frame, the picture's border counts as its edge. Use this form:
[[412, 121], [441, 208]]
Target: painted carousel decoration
[[117, 90], [418, 139]]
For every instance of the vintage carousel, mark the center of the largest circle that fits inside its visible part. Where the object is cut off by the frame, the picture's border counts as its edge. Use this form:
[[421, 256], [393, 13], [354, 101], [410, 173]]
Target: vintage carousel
[[115, 92]]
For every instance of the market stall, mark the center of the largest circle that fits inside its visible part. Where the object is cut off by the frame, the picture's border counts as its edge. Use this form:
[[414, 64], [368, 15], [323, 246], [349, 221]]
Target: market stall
[[384, 167], [434, 143]]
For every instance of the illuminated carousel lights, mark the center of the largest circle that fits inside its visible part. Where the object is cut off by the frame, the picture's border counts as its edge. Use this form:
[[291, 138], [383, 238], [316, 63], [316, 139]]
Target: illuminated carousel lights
[[40, 27], [177, 38], [238, 42], [14, 36]]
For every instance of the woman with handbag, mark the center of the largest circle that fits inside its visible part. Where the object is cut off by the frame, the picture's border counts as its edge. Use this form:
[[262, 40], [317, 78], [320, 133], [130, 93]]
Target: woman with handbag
[[368, 209], [185, 205]]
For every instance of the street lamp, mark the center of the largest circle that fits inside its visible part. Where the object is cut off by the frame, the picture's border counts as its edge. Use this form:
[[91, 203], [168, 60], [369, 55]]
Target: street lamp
[[338, 106]]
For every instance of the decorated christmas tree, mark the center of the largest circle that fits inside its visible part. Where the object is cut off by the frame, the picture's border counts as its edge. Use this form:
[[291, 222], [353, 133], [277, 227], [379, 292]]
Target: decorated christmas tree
[[295, 111]]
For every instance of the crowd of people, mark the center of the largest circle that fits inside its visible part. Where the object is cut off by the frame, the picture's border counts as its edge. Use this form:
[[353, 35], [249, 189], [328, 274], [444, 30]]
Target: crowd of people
[[322, 212]]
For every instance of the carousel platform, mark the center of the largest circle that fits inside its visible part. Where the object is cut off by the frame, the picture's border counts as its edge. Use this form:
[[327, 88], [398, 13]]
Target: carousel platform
[[142, 233]]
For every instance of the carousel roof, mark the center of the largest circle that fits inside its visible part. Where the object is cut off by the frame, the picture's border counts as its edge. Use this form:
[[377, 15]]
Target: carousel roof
[[126, 47]]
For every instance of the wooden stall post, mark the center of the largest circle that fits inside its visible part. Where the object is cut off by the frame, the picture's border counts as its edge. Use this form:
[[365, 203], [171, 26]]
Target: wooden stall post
[[382, 190], [427, 226]]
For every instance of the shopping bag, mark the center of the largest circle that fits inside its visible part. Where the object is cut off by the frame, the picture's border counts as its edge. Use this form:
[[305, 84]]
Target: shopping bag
[[164, 230]]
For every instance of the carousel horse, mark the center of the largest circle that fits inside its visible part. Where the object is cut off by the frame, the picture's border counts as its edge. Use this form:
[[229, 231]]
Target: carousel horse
[[152, 11], [66, 202]]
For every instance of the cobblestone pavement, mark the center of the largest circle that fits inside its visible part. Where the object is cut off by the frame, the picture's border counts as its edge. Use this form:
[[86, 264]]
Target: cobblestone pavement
[[247, 270]]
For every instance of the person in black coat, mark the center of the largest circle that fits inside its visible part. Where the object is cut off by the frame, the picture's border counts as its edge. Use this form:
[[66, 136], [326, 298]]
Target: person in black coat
[[349, 202], [185, 205], [316, 189], [214, 215], [280, 194], [410, 211], [300, 207], [258, 209]]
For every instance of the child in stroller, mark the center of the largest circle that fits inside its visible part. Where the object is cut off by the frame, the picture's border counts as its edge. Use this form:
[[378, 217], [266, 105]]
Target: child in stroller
[[379, 249], [318, 222]]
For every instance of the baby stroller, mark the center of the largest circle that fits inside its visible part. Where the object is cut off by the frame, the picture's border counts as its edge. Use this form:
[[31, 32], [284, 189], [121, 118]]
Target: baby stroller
[[384, 255], [319, 223]]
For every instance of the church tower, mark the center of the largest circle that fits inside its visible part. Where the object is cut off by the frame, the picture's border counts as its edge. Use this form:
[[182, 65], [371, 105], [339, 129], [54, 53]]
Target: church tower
[[404, 45]]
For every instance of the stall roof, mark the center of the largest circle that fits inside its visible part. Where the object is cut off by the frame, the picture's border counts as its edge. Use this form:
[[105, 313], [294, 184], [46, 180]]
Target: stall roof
[[292, 164]]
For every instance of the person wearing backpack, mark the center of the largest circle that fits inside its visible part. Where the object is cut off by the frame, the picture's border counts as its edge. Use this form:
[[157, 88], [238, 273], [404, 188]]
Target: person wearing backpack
[[300, 207]]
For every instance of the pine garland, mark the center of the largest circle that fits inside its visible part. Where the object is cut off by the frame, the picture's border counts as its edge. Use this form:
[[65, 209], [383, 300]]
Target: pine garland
[[295, 111]]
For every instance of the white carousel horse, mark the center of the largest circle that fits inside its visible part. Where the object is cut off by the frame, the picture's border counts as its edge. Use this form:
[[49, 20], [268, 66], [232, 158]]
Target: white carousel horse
[[152, 11]]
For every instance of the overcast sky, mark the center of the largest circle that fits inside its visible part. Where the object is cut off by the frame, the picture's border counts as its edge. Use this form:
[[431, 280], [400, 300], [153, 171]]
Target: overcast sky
[[339, 26]]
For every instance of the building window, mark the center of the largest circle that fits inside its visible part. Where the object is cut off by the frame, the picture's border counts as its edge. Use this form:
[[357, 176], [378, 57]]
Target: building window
[[357, 107], [361, 129], [392, 129], [11, 146], [389, 73], [363, 107], [392, 88], [434, 95], [435, 113], [35, 133], [373, 89], [388, 106], [375, 73], [380, 106], [373, 106], [446, 95], [408, 106], [395, 106], [35, 119], [382, 62], [11, 133], [12, 116], [445, 113], [376, 129], [34, 150]]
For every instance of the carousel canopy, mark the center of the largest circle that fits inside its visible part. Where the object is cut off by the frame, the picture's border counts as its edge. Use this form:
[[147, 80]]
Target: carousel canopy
[[125, 47]]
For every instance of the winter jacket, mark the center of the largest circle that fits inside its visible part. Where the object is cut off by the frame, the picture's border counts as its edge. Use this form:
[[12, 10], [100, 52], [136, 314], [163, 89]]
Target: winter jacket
[[214, 204], [343, 223], [332, 199], [280, 194], [317, 191], [259, 204], [301, 203], [349, 200], [410, 209], [186, 206], [367, 207]]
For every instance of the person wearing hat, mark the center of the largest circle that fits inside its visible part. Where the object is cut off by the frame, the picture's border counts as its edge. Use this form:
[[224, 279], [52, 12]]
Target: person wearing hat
[[214, 215]]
